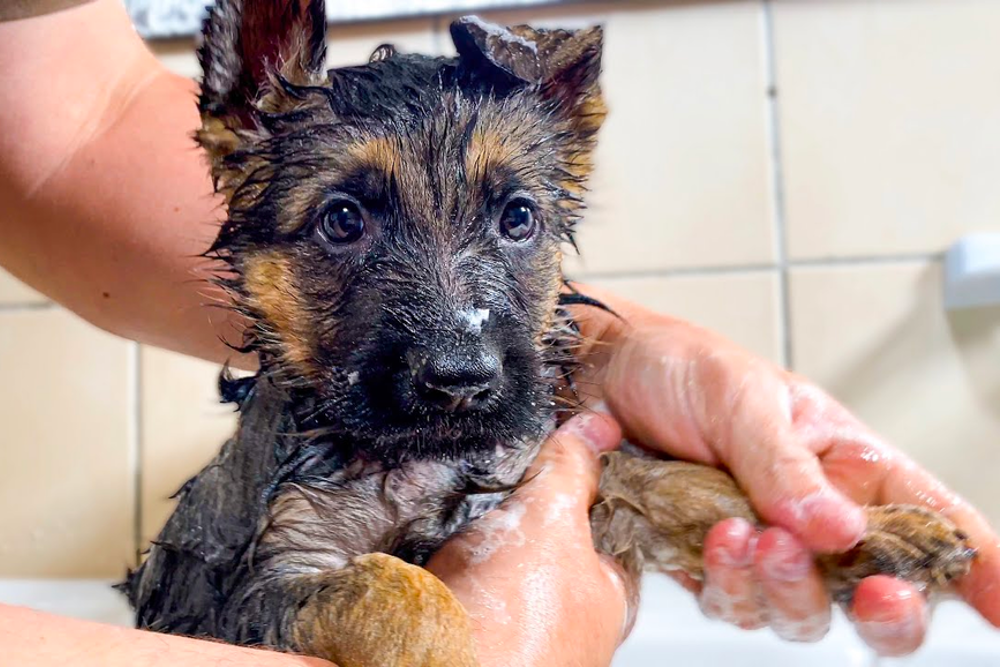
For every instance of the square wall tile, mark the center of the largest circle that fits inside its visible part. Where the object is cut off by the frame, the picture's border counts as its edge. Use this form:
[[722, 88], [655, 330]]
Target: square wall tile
[[745, 307], [682, 174], [354, 44], [889, 127], [879, 339], [177, 55], [183, 427], [66, 466], [346, 44], [14, 292]]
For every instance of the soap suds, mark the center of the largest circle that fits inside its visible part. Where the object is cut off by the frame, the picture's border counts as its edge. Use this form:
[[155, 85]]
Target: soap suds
[[558, 509], [490, 606], [808, 630], [502, 33], [475, 318], [737, 610], [502, 529]]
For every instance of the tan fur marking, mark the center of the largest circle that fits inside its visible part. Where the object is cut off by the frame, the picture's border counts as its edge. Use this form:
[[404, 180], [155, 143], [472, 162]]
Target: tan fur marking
[[377, 153], [270, 282], [552, 266], [589, 116], [217, 139], [486, 151], [299, 206]]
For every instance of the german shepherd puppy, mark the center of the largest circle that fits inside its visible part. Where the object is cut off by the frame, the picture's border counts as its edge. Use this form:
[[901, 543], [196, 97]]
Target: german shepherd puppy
[[395, 237]]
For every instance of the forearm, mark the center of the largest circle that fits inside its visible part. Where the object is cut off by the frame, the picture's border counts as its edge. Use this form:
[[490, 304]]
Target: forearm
[[32, 638], [106, 200]]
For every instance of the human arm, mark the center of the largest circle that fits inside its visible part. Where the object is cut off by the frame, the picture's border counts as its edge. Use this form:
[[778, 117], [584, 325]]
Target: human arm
[[35, 639], [106, 199]]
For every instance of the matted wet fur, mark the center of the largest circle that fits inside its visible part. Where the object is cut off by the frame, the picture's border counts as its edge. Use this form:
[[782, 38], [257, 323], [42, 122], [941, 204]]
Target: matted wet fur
[[394, 237]]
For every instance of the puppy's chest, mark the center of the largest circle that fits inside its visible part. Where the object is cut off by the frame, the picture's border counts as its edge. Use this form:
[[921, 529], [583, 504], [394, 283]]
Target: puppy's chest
[[407, 511]]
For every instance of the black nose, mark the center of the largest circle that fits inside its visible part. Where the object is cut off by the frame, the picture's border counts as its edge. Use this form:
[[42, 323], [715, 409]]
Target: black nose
[[456, 380]]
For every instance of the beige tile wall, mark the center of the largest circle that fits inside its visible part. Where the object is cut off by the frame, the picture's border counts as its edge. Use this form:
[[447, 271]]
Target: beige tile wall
[[787, 172]]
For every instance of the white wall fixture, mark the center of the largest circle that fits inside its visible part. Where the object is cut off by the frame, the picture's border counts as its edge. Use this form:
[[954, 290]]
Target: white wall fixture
[[972, 272]]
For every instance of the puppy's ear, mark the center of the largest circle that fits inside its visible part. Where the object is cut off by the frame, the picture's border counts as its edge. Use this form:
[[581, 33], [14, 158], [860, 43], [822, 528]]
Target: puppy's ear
[[250, 48], [565, 64]]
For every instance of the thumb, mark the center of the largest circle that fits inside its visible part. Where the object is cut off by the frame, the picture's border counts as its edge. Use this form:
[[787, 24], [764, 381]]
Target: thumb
[[567, 470], [553, 504]]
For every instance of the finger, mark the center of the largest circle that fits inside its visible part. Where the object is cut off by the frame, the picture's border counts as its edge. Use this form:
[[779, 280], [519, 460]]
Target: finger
[[628, 587], [798, 606], [568, 468], [556, 500], [981, 587], [854, 459], [870, 471], [730, 593], [787, 486], [890, 615], [783, 477]]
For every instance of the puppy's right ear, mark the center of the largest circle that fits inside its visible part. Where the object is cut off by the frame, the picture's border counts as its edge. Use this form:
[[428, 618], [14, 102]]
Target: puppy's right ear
[[249, 48]]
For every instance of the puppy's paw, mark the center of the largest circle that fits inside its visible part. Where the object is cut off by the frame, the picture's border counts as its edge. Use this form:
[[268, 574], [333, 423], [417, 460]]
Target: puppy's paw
[[904, 541], [381, 611]]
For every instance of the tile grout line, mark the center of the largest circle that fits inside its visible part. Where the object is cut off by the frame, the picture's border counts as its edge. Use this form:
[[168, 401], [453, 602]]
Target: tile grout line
[[437, 27], [883, 260], [773, 118], [735, 269], [135, 444], [680, 272]]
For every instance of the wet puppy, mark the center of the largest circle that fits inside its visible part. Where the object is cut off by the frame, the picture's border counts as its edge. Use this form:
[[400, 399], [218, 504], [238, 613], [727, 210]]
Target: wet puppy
[[394, 238]]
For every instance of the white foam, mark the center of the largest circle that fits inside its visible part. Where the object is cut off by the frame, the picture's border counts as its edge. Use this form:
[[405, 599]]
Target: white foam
[[490, 607], [502, 33], [809, 630], [475, 318], [558, 509], [501, 529], [717, 604]]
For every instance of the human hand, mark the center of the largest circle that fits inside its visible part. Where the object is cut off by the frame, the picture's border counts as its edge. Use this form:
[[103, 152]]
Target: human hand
[[806, 463], [527, 573]]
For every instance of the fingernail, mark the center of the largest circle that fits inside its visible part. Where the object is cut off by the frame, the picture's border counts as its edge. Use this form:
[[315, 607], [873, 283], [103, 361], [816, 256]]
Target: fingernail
[[600, 408], [737, 551], [884, 608], [842, 519], [891, 639], [597, 432]]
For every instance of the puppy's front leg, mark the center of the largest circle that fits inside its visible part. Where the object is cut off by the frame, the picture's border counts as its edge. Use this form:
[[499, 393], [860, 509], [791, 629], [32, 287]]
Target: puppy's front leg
[[655, 514], [380, 611]]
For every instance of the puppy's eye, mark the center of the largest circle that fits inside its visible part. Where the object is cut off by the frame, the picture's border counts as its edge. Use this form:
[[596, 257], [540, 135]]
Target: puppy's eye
[[518, 220], [342, 223]]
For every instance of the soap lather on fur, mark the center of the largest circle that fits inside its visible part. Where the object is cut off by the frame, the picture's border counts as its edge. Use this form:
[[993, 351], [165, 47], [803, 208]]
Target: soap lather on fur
[[394, 237]]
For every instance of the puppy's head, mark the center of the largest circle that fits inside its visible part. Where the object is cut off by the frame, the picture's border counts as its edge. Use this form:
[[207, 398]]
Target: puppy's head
[[395, 228]]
